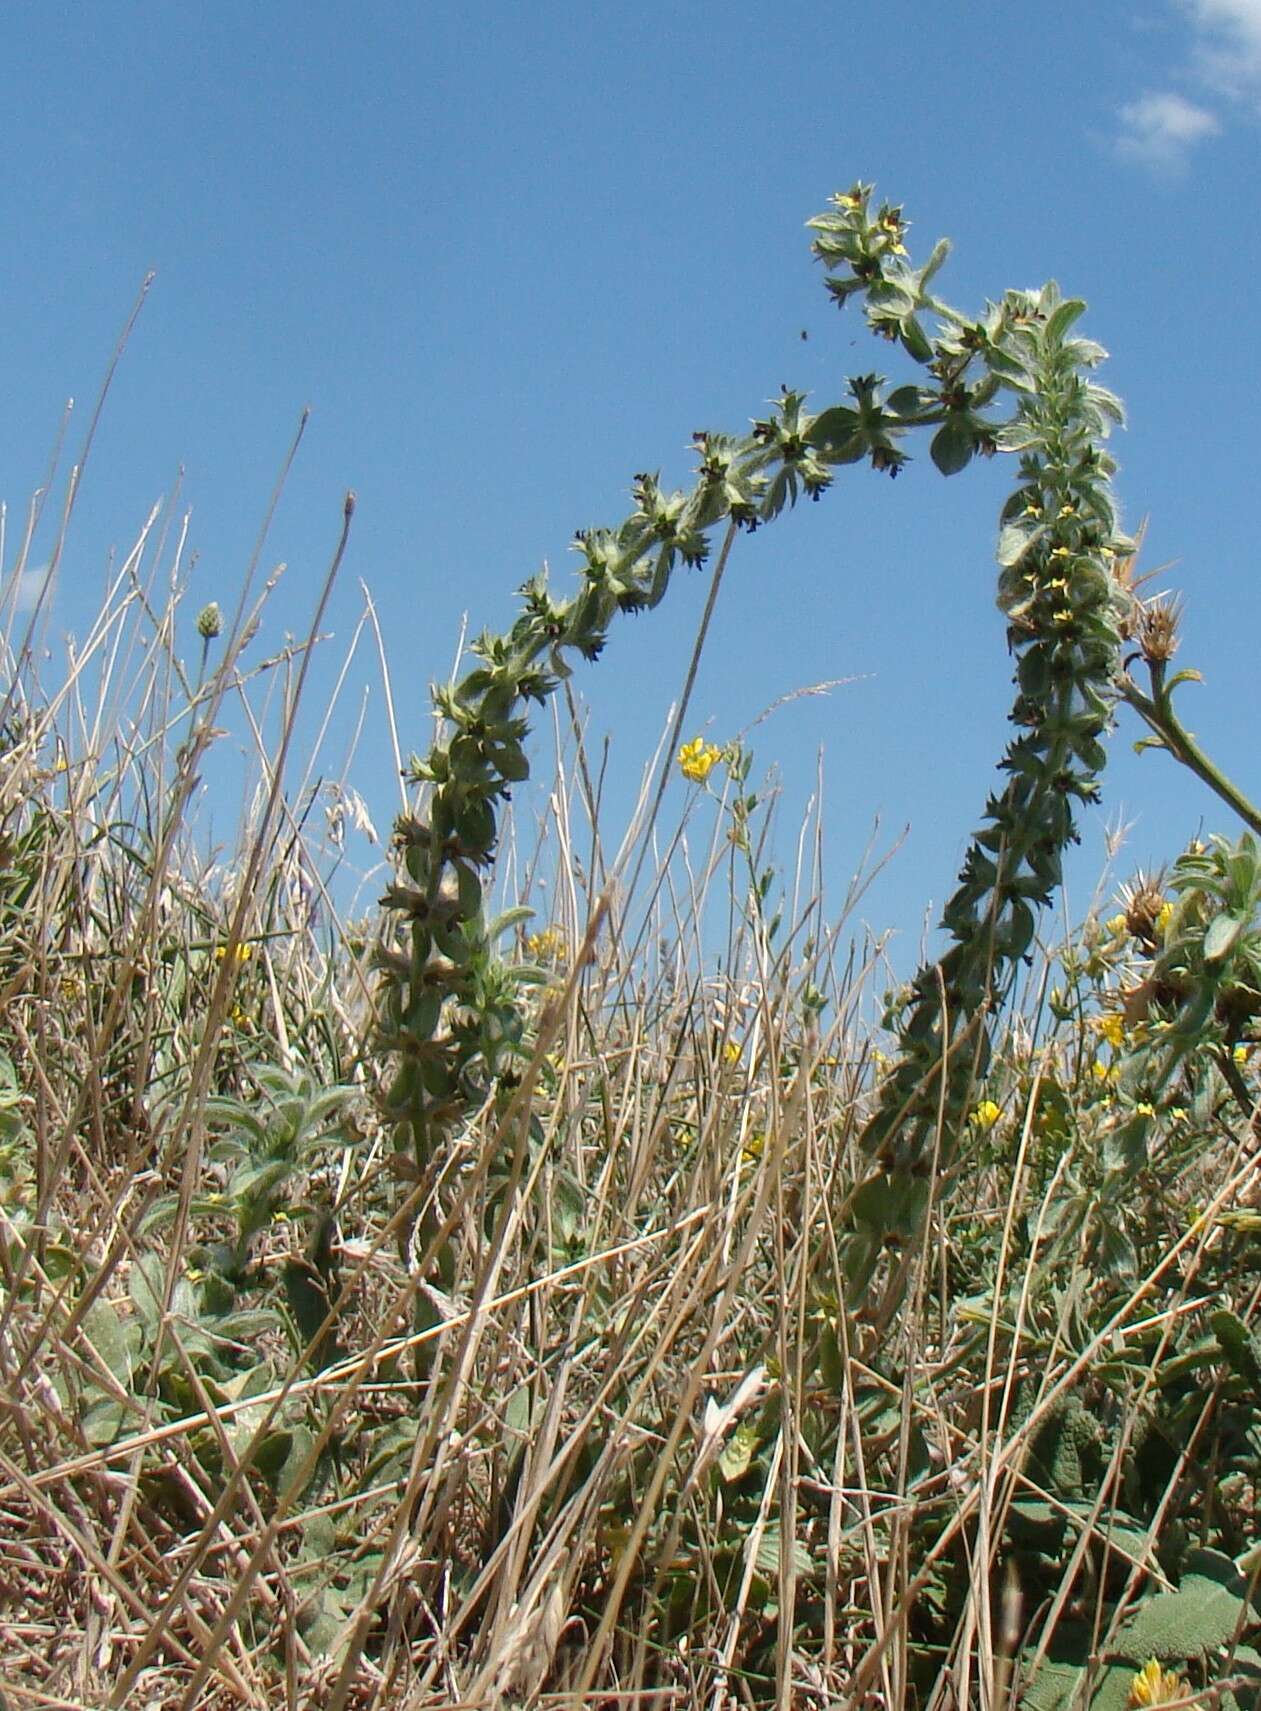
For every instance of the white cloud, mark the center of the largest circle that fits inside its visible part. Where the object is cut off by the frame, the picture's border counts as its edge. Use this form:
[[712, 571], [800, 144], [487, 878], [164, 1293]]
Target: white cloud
[[1228, 53], [1160, 130], [25, 596]]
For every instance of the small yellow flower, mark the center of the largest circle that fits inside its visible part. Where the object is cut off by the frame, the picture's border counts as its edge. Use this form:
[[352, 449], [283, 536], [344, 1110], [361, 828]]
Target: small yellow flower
[[1156, 1686], [1112, 1028], [1104, 1072], [698, 759], [61, 764], [1240, 1054], [1061, 552], [1163, 918], [731, 1051], [890, 224], [1117, 926], [240, 956], [1063, 616], [1178, 1113], [754, 1147], [1145, 1108], [1033, 511], [986, 1114], [547, 946], [1068, 511]]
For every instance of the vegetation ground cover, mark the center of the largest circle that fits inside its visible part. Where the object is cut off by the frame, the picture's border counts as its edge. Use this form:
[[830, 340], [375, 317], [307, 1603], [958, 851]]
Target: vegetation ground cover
[[504, 1301]]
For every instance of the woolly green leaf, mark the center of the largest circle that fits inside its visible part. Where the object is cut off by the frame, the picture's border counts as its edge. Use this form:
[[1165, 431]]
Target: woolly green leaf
[[1070, 310], [1059, 1680], [1205, 1612], [1222, 937], [1014, 542]]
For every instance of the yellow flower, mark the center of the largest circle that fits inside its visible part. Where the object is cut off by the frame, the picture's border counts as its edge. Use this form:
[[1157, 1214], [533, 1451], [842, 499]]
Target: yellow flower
[[1240, 1054], [1033, 510], [698, 759], [547, 946], [1117, 926], [1104, 1072], [731, 1051], [1178, 1113], [1145, 1108], [1112, 1027], [1156, 1686], [240, 956], [1060, 552], [890, 224], [754, 1147], [1067, 511], [986, 1114], [1163, 918]]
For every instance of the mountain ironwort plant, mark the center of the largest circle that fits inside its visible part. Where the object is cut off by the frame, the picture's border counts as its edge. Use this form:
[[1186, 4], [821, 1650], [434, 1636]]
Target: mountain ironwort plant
[[453, 1018]]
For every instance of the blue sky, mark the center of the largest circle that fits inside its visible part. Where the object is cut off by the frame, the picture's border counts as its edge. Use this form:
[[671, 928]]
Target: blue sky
[[510, 255]]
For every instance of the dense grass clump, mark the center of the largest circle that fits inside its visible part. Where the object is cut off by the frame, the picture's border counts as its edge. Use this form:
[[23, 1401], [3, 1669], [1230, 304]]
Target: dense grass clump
[[651, 1441]]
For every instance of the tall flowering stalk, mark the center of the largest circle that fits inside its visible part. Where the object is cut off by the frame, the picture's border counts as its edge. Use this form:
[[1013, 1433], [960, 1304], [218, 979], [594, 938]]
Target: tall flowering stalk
[[1068, 614], [452, 1009]]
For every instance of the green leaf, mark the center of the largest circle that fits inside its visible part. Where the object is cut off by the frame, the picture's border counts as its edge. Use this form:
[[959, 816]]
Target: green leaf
[[1205, 1612], [768, 1554], [147, 1283], [10, 1092], [739, 1450], [1222, 937], [1058, 1684], [104, 1330], [1061, 319], [833, 428], [1239, 1345], [915, 340], [1014, 542], [906, 401], [952, 446], [307, 1294], [104, 1422]]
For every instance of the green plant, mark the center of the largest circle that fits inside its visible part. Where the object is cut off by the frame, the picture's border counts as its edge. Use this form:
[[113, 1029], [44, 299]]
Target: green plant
[[1057, 551], [267, 1147]]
